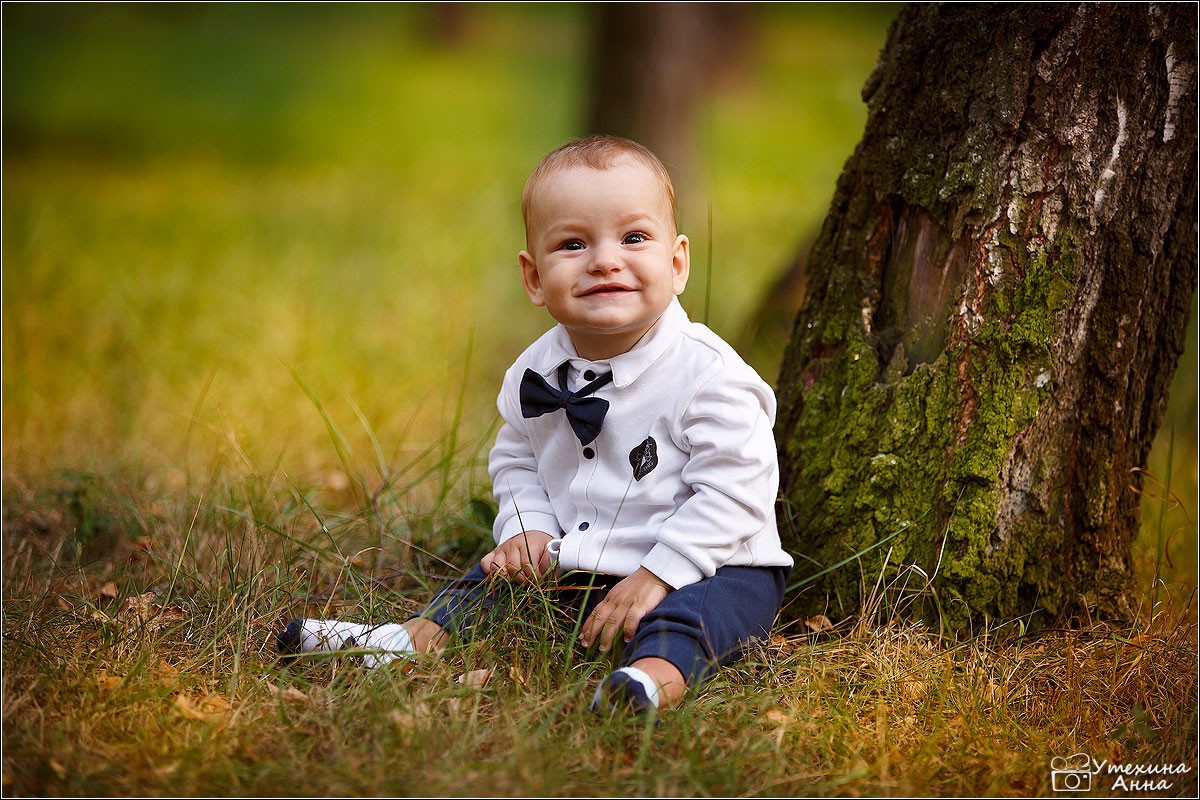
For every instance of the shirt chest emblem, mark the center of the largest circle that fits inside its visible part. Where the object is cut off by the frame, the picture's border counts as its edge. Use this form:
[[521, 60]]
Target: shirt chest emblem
[[644, 458]]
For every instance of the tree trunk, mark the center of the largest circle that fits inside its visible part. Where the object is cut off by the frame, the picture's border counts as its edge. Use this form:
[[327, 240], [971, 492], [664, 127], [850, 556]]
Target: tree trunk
[[995, 307], [651, 64]]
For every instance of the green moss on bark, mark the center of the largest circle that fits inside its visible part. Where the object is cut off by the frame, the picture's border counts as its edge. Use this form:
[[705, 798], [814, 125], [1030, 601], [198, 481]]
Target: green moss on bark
[[880, 448]]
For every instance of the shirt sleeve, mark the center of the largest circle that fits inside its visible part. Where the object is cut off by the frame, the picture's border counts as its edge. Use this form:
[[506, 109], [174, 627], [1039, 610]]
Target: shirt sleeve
[[733, 473], [523, 502]]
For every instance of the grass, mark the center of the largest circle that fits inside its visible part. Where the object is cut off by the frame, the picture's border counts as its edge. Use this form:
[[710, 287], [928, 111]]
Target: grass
[[259, 291], [149, 671]]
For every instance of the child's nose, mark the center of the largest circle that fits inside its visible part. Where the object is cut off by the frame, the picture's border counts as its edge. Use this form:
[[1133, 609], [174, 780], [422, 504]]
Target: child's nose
[[606, 258]]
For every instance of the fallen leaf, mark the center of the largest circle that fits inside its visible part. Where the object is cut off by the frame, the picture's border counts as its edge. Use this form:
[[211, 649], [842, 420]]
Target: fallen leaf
[[144, 609], [778, 715], [108, 682], [411, 714], [167, 675], [819, 623], [476, 678], [914, 690], [210, 708], [291, 694], [288, 694], [140, 607], [402, 665]]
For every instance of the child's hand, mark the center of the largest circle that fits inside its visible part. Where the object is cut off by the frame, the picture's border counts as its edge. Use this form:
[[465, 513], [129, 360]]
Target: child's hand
[[622, 610], [524, 556]]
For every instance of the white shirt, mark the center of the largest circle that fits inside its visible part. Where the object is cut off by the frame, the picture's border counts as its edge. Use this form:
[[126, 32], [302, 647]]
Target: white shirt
[[685, 396]]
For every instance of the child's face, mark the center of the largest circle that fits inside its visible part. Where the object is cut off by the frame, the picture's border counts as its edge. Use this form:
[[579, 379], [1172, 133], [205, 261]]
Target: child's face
[[603, 257]]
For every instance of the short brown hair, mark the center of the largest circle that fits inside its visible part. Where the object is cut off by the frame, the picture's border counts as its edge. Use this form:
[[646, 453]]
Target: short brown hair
[[598, 151]]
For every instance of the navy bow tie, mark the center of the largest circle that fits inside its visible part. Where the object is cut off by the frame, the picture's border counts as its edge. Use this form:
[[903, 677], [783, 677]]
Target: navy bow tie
[[585, 414]]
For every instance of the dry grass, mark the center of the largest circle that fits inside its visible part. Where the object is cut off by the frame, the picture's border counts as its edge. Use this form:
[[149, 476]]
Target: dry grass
[[147, 668]]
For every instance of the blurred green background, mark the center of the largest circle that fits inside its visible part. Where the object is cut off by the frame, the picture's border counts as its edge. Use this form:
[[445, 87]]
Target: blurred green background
[[212, 211], [198, 196]]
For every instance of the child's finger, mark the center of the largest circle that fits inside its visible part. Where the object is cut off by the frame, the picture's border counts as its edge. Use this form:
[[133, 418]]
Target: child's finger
[[608, 631], [527, 573], [632, 620], [591, 628]]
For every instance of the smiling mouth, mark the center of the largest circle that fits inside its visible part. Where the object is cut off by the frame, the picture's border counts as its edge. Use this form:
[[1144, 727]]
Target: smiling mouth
[[607, 288]]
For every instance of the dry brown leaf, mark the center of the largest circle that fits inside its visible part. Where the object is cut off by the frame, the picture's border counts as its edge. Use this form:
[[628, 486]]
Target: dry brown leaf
[[819, 623], [108, 682], [291, 694], [411, 714], [404, 666], [139, 608], [144, 609], [476, 678], [167, 675], [778, 715], [914, 690], [288, 694], [210, 708]]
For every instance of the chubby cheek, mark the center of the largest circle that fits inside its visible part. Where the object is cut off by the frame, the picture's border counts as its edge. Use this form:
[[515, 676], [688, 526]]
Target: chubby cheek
[[557, 284]]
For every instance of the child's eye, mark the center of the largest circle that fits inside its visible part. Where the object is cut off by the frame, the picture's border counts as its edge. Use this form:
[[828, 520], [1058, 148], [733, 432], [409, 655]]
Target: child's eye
[[634, 238], [571, 244]]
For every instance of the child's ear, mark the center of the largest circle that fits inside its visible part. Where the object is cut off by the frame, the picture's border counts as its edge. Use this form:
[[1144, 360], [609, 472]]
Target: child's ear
[[530, 278], [681, 264]]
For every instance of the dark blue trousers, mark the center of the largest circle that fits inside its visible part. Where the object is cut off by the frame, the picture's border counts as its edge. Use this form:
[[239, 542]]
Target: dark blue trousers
[[697, 627]]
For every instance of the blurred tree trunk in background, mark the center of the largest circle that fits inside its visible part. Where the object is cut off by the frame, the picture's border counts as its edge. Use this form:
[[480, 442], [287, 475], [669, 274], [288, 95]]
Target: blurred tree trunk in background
[[651, 64], [995, 308]]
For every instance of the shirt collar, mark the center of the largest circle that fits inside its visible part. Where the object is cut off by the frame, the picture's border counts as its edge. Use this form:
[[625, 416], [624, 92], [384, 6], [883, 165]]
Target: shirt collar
[[628, 366]]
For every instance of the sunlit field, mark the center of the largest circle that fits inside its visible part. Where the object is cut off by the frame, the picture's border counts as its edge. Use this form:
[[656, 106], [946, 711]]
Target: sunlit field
[[259, 289]]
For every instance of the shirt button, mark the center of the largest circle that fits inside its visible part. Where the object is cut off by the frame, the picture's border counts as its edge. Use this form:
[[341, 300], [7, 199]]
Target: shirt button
[[589, 452], [583, 526], [589, 375]]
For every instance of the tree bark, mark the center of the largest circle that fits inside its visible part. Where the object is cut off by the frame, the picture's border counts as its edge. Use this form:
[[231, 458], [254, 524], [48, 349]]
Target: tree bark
[[995, 307]]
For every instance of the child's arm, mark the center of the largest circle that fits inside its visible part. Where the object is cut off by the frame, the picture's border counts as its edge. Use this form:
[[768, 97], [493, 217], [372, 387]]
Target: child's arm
[[523, 504], [733, 474], [623, 607]]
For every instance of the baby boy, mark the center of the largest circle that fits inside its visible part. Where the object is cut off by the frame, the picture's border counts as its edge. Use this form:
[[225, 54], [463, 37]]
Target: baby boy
[[636, 455]]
